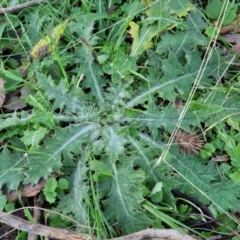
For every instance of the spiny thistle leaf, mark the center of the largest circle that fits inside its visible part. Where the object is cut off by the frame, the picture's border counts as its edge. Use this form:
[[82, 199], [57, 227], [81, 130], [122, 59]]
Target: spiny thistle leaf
[[11, 165], [122, 207], [79, 195], [66, 141], [60, 93]]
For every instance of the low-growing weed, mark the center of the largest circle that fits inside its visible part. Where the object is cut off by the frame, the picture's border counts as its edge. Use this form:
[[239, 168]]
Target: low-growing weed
[[104, 100]]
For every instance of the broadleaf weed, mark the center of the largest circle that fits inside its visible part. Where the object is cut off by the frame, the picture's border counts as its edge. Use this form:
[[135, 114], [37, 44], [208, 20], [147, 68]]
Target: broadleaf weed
[[105, 98]]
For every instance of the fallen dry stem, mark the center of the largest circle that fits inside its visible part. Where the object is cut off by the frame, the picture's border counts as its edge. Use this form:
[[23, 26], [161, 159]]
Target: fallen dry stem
[[39, 229], [20, 7], [62, 234]]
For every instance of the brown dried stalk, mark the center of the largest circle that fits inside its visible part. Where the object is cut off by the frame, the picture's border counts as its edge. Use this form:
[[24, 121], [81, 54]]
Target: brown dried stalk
[[20, 7], [63, 234]]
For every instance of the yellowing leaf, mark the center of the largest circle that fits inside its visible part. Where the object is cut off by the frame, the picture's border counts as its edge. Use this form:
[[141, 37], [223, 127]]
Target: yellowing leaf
[[141, 39], [134, 31], [44, 46], [181, 8]]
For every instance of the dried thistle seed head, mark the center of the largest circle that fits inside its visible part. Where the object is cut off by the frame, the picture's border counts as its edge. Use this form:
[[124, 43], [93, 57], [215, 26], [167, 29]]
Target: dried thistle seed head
[[189, 143]]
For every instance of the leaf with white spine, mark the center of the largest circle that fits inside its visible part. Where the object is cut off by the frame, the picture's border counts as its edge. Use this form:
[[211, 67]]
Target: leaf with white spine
[[66, 141]]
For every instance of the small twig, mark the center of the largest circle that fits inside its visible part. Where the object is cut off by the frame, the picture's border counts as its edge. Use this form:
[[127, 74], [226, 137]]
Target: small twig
[[19, 7]]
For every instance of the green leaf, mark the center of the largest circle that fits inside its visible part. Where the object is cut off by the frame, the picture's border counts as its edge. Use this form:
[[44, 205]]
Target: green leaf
[[118, 30], [121, 65], [225, 194], [78, 195], [159, 18], [64, 142], [94, 80], [209, 147], [11, 164], [205, 154], [205, 178], [234, 124], [181, 41], [22, 236], [15, 120], [29, 216], [100, 167], [90, 17], [205, 109], [39, 102], [157, 193], [208, 150], [231, 148], [235, 176], [60, 93], [237, 150], [104, 109], [115, 142], [215, 7], [125, 193], [63, 183], [231, 14], [51, 185], [2, 28], [3, 201], [181, 77], [236, 238], [212, 32], [10, 206], [166, 118], [183, 208], [13, 78], [141, 40], [173, 223], [143, 159], [50, 196], [181, 7], [34, 137], [50, 190]]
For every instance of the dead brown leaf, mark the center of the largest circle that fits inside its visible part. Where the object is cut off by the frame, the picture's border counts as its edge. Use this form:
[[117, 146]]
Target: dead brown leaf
[[235, 39], [27, 191], [16, 102], [178, 103]]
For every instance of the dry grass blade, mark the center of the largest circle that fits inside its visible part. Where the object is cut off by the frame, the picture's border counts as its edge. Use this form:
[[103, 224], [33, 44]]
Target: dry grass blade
[[2, 93], [222, 158]]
